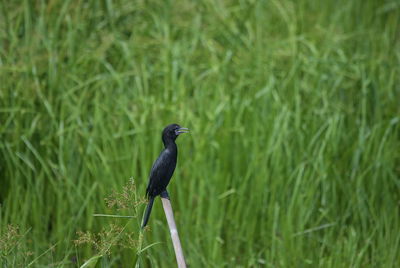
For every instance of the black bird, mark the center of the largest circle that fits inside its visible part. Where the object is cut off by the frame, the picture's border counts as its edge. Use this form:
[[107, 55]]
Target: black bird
[[163, 167]]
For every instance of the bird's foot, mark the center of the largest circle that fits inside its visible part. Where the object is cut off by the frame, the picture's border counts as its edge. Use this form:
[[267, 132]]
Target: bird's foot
[[164, 194]]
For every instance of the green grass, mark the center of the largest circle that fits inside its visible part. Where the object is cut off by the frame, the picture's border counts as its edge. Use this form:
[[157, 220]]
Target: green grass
[[293, 159]]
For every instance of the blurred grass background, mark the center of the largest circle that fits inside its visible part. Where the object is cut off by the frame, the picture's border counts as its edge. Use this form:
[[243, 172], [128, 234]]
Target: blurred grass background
[[293, 159]]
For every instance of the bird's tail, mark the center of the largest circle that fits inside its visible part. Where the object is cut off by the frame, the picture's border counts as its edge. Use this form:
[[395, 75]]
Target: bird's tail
[[148, 211]]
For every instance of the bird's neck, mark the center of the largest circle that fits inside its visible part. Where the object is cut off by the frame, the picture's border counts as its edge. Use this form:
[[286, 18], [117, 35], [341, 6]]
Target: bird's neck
[[170, 144]]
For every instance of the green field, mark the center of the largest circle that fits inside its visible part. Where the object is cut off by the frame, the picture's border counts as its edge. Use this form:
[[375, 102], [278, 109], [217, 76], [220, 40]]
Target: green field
[[294, 154]]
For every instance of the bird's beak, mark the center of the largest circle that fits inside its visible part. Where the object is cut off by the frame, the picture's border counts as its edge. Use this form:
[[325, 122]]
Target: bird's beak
[[183, 130]]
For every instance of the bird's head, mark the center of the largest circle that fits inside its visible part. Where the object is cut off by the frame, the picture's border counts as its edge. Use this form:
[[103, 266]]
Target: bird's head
[[171, 132]]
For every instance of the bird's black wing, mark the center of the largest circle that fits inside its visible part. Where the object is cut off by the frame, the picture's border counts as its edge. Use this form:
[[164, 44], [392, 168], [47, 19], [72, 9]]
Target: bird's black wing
[[161, 173]]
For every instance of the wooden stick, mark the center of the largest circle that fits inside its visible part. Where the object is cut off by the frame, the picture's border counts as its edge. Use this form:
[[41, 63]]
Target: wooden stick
[[174, 232]]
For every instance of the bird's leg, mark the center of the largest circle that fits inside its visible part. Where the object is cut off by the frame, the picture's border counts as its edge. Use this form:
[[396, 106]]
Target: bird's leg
[[164, 194]]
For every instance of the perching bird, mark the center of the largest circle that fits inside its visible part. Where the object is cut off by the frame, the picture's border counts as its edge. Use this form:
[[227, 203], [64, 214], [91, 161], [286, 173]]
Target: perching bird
[[163, 167]]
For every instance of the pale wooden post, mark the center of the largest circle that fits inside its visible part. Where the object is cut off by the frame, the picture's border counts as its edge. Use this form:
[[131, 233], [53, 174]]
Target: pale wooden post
[[174, 232]]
